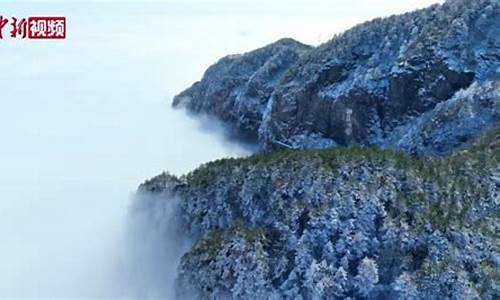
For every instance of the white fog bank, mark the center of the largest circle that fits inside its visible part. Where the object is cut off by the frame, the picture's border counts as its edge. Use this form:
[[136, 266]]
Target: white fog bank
[[84, 121]]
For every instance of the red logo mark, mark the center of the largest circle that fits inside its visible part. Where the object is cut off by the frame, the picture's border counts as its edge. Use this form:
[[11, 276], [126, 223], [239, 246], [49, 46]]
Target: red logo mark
[[47, 27], [3, 22], [35, 27], [18, 28]]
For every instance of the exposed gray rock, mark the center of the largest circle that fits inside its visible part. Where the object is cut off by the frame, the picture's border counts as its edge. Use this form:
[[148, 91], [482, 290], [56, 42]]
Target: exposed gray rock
[[362, 85], [237, 88], [451, 123], [351, 222]]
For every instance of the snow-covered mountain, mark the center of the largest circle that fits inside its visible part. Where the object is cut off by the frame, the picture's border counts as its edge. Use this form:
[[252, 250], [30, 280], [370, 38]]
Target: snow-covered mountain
[[375, 84], [338, 223], [298, 221]]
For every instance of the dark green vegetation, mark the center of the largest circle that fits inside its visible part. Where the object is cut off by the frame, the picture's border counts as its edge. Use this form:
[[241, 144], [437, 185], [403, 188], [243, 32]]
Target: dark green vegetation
[[351, 221], [422, 222]]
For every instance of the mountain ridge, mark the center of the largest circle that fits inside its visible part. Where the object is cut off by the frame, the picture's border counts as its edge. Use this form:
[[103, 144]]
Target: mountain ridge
[[378, 175], [335, 223], [366, 84]]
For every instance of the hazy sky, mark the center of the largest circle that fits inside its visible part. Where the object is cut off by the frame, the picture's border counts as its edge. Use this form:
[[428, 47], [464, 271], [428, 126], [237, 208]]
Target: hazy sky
[[84, 120]]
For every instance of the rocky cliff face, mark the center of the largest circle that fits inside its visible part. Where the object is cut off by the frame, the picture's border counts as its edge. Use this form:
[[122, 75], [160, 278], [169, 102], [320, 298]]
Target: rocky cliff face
[[237, 88], [365, 218], [339, 223], [366, 86]]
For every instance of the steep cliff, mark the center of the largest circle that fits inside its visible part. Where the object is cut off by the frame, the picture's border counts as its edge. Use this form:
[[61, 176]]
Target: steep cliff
[[366, 86], [347, 222], [237, 88], [348, 210]]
